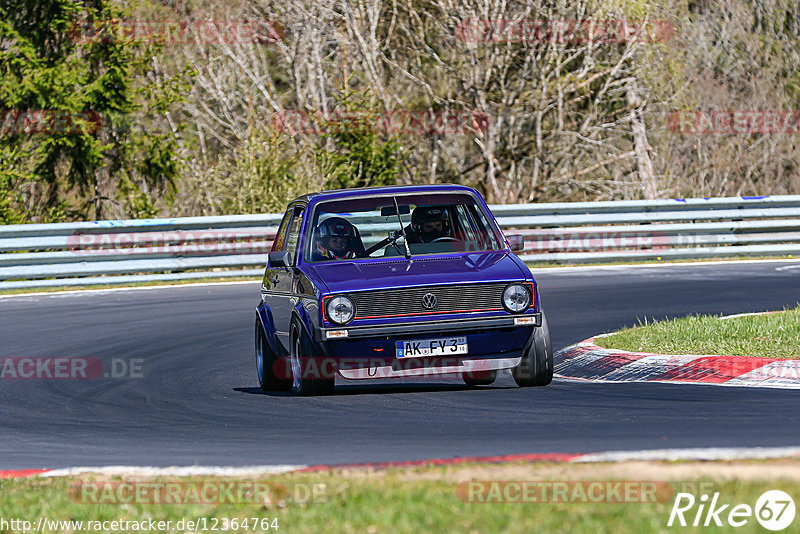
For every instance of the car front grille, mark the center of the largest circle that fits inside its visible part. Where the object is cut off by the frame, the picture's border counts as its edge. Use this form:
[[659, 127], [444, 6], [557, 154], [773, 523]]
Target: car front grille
[[449, 299]]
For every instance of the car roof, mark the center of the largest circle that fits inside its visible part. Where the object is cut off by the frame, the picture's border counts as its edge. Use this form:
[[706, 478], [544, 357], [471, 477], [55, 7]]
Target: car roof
[[381, 190]]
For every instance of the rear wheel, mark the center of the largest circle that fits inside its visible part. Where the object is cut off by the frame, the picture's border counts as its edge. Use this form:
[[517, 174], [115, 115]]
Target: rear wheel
[[309, 375], [479, 378], [536, 367], [265, 364]]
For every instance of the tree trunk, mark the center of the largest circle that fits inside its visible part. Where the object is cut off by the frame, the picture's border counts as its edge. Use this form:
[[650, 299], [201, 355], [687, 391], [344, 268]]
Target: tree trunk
[[644, 164]]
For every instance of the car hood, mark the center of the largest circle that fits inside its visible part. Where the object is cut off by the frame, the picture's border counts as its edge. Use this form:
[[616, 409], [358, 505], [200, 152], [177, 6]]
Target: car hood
[[483, 267]]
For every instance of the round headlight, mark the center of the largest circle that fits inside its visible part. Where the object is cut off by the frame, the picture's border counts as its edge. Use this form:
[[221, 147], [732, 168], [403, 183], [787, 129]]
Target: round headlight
[[516, 298], [340, 310]]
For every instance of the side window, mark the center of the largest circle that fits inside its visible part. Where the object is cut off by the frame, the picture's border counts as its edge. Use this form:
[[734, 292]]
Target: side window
[[294, 232], [280, 237]]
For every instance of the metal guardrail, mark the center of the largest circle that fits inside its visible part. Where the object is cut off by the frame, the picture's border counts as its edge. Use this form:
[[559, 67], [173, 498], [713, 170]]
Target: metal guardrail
[[113, 252]]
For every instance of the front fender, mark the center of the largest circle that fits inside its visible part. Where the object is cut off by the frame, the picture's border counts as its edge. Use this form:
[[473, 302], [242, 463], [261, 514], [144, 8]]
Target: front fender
[[303, 318], [265, 314]]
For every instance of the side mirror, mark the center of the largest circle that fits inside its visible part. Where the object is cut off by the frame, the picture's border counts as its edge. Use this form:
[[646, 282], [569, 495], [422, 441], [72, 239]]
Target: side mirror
[[281, 258], [516, 242]]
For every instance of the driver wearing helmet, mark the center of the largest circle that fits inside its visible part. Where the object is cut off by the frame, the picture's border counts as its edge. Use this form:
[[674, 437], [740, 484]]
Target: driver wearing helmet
[[337, 239], [429, 223]]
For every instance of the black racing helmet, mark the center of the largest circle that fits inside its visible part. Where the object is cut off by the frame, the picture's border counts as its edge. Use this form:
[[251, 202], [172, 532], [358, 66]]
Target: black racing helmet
[[423, 214], [336, 227]]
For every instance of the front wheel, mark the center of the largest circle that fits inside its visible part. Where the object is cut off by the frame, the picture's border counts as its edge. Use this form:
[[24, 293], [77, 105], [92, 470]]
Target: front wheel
[[265, 364], [310, 375], [536, 367]]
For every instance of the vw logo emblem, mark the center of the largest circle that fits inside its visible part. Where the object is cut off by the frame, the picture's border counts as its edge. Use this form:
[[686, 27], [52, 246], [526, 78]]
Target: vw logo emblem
[[429, 301]]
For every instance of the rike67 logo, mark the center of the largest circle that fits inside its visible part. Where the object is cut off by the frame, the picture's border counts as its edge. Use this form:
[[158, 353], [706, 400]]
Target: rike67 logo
[[774, 510]]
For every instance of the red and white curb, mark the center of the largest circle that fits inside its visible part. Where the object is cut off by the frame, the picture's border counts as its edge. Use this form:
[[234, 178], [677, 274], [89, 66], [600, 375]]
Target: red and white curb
[[589, 362], [668, 455], [138, 471]]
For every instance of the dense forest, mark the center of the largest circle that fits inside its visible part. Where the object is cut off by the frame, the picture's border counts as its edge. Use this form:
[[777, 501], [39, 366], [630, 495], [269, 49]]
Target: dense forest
[[112, 109]]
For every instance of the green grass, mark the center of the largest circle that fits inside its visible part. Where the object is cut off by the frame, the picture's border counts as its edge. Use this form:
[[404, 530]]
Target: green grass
[[397, 500], [774, 335]]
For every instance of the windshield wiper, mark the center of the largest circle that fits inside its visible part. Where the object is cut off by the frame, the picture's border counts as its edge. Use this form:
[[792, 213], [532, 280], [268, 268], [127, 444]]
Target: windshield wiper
[[402, 229]]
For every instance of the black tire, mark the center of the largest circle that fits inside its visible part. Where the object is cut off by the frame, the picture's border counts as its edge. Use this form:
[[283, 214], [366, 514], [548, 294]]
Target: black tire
[[479, 378], [265, 364], [311, 381], [536, 367]]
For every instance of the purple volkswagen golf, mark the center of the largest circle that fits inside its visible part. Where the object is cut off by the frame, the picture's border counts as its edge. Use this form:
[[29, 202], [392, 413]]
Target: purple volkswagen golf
[[397, 282]]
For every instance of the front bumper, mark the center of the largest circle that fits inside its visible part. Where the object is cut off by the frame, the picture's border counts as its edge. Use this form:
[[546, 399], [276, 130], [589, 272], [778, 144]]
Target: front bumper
[[425, 367], [437, 326]]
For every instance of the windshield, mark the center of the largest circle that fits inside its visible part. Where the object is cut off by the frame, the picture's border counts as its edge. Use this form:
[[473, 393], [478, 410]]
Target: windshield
[[428, 224]]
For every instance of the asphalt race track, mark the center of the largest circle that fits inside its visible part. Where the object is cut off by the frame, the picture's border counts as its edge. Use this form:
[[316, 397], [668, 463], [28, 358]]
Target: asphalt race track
[[198, 402]]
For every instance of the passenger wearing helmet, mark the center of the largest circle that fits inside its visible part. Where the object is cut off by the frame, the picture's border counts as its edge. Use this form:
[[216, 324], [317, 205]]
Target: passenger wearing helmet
[[429, 223], [337, 239]]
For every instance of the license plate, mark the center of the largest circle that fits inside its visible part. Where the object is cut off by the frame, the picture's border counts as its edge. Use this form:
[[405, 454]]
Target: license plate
[[445, 346]]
